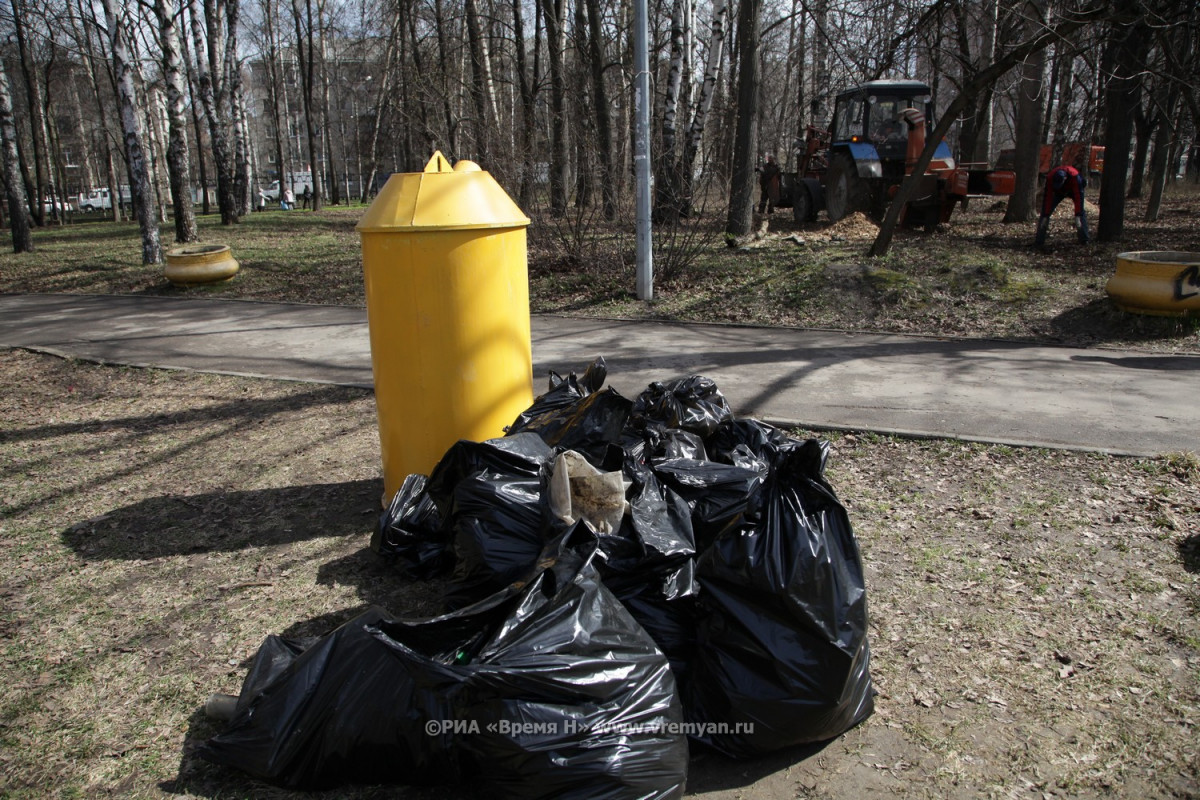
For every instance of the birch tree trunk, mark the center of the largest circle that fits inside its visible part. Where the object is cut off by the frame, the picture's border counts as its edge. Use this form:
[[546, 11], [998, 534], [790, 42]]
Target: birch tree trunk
[[745, 144], [131, 123], [37, 119], [708, 89], [528, 133], [382, 92], [666, 182], [326, 123], [197, 129], [210, 70], [274, 85], [14, 185], [178, 163], [242, 144]]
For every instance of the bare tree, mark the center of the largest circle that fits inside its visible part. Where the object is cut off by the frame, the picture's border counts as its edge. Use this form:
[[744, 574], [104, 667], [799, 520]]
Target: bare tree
[[37, 118], [211, 45], [553, 14], [178, 162], [600, 99], [1127, 43], [307, 32], [1021, 204], [131, 123], [745, 146], [708, 90], [14, 185], [666, 182]]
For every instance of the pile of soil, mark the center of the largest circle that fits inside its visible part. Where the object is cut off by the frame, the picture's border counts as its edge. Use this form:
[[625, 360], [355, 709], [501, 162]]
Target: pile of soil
[[857, 227]]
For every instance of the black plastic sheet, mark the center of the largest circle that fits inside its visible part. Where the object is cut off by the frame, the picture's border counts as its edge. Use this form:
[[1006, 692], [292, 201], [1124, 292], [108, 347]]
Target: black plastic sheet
[[546, 691]]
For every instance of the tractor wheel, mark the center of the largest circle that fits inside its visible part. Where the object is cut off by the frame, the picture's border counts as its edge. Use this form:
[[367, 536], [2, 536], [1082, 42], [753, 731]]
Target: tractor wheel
[[844, 192], [802, 204]]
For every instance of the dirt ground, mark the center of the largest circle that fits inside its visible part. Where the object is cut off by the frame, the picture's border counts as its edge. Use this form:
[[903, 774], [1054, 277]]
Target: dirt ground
[[1034, 614]]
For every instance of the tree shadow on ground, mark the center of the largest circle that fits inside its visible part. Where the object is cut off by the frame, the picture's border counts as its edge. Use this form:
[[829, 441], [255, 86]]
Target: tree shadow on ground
[[224, 521], [199, 778], [380, 583], [1100, 322]]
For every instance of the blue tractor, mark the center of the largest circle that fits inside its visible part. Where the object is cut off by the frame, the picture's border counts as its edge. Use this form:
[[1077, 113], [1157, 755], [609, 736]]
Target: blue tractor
[[878, 131]]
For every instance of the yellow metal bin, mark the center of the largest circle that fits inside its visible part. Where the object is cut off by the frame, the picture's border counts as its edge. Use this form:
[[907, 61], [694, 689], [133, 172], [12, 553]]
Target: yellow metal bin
[[447, 286]]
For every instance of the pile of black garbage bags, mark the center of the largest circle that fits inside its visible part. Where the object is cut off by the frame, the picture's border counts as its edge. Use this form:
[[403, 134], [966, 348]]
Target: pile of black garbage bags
[[624, 576]]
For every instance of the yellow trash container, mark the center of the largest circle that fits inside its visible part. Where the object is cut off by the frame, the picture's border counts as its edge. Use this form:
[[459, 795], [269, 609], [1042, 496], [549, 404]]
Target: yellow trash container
[[447, 287]]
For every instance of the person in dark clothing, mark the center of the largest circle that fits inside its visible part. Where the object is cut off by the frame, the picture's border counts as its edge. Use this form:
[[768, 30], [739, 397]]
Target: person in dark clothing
[[1063, 181], [768, 182], [307, 196]]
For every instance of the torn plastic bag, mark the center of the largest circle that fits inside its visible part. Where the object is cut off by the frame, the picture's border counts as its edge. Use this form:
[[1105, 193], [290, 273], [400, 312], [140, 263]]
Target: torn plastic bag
[[782, 637], [693, 404], [546, 691], [410, 531]]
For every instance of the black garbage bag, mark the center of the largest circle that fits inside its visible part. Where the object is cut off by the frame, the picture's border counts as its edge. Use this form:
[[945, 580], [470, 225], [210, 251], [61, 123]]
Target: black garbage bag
[[666, 443], [418, 530], [563, 392], [693, 404], [649, 564], [782, 632], [547, 691], [591, 425], [518, 456], [500, 523], [410, 531], [734, 438], [723, 497], [574, 414]]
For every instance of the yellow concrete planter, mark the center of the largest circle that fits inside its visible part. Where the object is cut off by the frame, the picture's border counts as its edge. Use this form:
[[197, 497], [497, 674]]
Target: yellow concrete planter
[[200, 263], [1159, 282]]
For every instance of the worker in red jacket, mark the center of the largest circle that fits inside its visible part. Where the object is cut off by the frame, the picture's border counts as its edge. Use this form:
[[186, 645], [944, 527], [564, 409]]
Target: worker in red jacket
[[1063, 181]]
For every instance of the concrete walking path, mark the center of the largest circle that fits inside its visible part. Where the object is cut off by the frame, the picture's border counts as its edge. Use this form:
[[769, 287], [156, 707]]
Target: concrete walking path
[[981, 390]]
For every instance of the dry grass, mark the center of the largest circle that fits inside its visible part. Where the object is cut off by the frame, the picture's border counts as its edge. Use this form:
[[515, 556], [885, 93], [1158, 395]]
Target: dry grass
[[1034, 613]]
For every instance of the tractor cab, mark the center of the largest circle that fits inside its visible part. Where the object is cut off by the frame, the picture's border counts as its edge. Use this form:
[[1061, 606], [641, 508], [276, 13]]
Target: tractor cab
[[871, 123]]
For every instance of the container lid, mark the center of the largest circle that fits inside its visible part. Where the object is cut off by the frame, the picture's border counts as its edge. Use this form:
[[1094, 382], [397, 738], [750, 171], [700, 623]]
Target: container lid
[[442, 198]]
